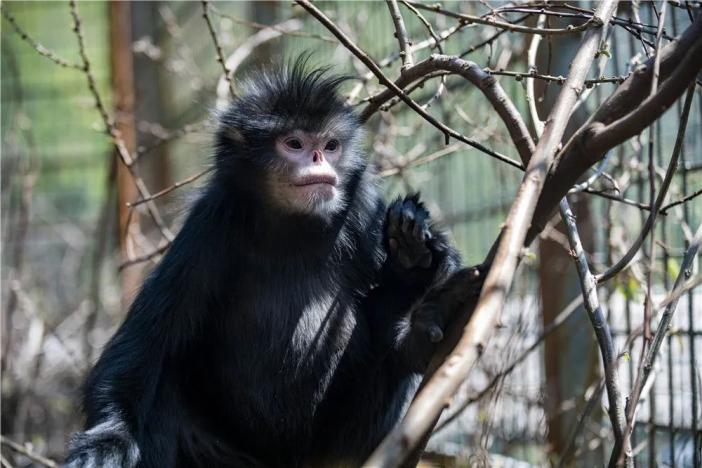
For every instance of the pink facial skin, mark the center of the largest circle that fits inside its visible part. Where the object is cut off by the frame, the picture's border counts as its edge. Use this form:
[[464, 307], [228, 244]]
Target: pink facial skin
[[311, 183]]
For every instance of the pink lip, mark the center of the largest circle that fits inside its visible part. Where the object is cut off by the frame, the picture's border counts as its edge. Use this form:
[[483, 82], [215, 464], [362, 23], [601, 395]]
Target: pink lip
[[316, 179]]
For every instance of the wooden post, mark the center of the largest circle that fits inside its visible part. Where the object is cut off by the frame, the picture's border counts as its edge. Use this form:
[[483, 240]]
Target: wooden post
[[123, 97]]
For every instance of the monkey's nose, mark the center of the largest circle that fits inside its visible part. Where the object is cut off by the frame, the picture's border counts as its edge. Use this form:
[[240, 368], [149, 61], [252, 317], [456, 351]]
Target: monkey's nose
[[317, 156]]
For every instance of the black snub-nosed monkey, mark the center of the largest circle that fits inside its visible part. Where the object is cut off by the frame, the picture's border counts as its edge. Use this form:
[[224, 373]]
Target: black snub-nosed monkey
[[281, 327]]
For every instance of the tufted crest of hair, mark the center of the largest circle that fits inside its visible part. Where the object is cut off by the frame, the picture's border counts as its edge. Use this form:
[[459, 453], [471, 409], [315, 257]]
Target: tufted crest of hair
[[281, 98]]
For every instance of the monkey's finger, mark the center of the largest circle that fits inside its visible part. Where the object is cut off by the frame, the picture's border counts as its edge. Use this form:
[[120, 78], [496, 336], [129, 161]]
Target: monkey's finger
[[420, 226], [394, 215], [408, 216]]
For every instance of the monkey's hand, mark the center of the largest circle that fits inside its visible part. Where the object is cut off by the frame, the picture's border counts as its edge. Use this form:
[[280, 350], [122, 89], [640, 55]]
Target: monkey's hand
[[407, 235], [430, 317]]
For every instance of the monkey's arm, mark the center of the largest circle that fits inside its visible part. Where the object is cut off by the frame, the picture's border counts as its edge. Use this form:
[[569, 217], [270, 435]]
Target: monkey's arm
[[128, 418], [418, 261], [131, 395]]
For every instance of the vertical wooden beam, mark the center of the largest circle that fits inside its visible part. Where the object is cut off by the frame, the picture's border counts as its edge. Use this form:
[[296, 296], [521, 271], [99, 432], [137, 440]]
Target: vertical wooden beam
[[122, 65], [152, 91]]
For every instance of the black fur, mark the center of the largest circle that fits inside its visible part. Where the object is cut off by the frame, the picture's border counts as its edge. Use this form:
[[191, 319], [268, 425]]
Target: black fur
[[265, 338]]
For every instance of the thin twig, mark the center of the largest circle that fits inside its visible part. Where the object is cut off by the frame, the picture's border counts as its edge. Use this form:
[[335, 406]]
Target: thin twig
[[442, 84], [487, 84], [144, 257], [27, 452], [166, 136], [588, 285], [244, 50], [685, 199], [401, 34], [471, 19], [51, 55], [560, 319], [430, 401], [662, 330], [111, 129], [218, 48], [618, 198], [348, 43], [421, 160], [519, 76], [650, 221], [176, 185], [274, 27]]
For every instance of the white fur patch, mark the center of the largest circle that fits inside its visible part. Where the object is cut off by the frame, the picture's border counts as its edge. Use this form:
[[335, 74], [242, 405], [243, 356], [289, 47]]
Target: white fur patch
[[106, 445]]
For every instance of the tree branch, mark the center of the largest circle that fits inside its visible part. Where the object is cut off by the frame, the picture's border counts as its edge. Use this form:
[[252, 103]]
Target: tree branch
[[111, 129], [661, 332], [41, 50], [588, 285], [218, 48], [577, 156], [487, 84], [471, 19], [432, 397], [363, 57], [401, 34], [650, 221]]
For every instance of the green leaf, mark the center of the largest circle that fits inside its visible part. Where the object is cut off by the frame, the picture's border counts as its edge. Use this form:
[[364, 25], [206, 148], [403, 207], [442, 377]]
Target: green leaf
[[629, 288], [673, 268]]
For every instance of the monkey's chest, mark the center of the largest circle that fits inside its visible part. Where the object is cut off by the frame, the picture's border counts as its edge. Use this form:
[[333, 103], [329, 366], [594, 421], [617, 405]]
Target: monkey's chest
[[307, 337]]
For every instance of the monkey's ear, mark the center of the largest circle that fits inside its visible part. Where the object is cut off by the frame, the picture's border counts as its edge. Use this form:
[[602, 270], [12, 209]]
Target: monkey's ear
[[234, 134]]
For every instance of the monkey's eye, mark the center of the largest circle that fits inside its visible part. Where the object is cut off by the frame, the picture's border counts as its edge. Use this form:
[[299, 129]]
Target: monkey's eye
[[293, 143], [332, 145]]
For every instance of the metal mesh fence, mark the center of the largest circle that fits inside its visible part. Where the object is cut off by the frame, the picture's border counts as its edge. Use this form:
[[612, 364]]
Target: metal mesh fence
[[55, 179]]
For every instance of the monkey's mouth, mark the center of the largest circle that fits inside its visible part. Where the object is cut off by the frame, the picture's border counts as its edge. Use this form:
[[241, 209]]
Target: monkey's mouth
[[316, 179]]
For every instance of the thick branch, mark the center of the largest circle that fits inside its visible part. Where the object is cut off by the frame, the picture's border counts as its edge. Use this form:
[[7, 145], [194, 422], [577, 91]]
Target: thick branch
[[577, 157], [431, 399], [487, 83]]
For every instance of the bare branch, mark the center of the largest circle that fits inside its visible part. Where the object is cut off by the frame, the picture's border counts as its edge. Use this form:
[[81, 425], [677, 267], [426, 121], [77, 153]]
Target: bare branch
[[401, 34], [218, 48], [41, 50], [661, 332], [489, 86], [145, 257], [27, 452], [685, 199], [577, 155], [650, 221], [588, 285], [555, 79], [560, 319], [275, 27], [344, 39], [111, 129], [471, 19], [176, 185], [244, 50], [430, 401]]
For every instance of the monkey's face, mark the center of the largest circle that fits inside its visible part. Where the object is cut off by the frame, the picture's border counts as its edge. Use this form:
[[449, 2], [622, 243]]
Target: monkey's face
[[308, 174]]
